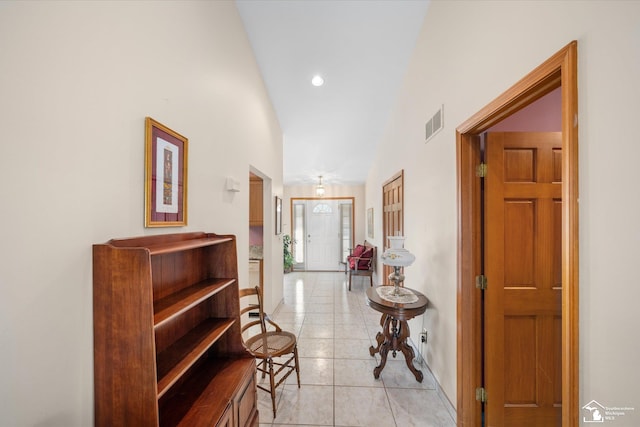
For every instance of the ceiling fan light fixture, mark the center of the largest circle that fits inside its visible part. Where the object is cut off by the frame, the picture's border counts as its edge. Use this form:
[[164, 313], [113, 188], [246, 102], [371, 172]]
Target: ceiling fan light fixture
[[317, 80]]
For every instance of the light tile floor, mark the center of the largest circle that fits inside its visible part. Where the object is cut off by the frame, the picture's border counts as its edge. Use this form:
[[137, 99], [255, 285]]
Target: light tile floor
[[335, 328]]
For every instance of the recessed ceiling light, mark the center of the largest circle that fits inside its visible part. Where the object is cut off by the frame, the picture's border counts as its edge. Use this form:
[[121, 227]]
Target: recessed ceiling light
[[317, 80]]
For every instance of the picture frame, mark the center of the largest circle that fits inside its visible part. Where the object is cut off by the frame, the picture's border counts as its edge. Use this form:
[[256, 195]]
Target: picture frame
[[278, 216], [165, 182], [370, 223]]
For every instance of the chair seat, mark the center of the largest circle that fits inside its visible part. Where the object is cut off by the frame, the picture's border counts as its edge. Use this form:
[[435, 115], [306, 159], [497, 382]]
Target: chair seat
[[271, 344]]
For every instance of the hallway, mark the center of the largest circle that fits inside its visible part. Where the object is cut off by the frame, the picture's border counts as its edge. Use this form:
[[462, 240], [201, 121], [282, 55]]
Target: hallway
[[335, 328]]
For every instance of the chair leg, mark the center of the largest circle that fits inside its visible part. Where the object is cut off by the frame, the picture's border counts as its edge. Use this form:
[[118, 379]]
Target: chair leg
[[273, 387], [350, 275], [295, 354], [371, 280]]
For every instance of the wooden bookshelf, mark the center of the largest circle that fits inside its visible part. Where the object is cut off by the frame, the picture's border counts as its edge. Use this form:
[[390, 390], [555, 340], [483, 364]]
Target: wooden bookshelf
[[167, 345]]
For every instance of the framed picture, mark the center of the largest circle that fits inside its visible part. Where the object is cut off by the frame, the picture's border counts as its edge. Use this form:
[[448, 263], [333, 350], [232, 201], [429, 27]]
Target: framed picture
[[165, 182], [278, 215], [370, 223]]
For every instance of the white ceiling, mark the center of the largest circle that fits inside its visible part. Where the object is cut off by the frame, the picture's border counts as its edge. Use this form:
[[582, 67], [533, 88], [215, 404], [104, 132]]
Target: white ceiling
[[361, 48]]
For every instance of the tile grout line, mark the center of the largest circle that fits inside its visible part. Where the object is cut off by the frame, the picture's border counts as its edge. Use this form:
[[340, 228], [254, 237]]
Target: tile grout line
[[350, 306]]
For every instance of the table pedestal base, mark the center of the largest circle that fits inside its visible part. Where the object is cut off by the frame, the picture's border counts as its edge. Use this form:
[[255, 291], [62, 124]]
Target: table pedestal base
[[394, 337]]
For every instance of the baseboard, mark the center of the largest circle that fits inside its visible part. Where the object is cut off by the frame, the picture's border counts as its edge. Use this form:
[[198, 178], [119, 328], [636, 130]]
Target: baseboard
[[441, 394]]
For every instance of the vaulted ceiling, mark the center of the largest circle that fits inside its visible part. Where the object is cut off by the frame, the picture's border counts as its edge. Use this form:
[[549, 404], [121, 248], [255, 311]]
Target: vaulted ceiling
[[361, 48]]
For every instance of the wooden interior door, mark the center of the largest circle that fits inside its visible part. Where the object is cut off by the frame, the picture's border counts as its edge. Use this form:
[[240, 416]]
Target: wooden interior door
[[392, 214], [523, 225]]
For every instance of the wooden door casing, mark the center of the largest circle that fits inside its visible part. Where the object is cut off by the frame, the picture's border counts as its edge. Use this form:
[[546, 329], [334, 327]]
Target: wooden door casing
[[307, 203], [560, 70], [523, 265]]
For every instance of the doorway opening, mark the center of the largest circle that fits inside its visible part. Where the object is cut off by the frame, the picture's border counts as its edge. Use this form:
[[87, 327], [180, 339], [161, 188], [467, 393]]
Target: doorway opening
[[559, 71], [322, 231], [261, 227]]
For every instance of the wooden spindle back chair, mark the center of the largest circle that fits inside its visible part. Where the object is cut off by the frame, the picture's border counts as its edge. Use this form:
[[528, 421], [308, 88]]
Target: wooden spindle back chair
[[267, 343]]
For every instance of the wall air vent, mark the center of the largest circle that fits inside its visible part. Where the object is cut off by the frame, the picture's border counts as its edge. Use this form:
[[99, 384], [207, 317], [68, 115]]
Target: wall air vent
[[435, 124]]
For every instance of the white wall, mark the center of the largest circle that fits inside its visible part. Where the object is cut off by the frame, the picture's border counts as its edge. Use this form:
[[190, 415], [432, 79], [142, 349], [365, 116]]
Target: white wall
[[468, 53], [76, 82]]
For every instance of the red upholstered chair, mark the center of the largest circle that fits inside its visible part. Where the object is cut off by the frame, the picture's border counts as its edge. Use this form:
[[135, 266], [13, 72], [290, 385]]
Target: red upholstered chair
[[361, 262]]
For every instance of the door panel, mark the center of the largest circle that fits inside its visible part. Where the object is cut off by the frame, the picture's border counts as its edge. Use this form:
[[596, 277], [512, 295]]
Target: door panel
[[523, 269], [519, 237], [323, 235], [520, 362]]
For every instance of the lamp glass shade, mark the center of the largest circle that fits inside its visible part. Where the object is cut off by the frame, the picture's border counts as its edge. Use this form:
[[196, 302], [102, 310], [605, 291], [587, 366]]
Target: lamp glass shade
[[397, 255]]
